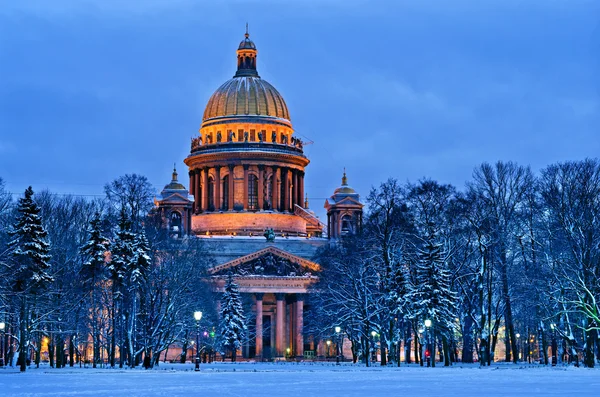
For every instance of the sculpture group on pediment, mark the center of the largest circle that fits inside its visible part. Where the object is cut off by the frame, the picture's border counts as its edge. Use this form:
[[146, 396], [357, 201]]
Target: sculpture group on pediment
[[269, 265]]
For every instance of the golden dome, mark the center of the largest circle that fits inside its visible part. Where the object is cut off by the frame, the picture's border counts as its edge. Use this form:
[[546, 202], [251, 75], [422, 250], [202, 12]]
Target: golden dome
[[246, 95], [344, 189]]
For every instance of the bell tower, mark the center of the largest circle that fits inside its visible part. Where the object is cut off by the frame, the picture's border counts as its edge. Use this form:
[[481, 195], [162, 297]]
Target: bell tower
[[344, 211]]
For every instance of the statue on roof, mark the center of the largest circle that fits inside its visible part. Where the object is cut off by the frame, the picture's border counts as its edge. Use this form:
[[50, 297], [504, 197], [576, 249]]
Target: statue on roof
[[269, 235]]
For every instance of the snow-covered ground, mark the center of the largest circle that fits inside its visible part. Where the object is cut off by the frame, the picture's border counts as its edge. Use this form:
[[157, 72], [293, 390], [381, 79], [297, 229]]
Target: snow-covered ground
[[305, 379]]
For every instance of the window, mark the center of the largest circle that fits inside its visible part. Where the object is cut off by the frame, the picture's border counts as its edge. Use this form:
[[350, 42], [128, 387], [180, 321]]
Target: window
[[211, 193], [252, 192], [176, 227], [225, 192], [346, 225]]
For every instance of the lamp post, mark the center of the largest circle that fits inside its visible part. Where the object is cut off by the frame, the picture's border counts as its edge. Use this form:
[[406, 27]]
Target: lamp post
[[337, 344], [197, 317], [374, 334], [2, 327], [427, 342], [328, 349], [518, 347]]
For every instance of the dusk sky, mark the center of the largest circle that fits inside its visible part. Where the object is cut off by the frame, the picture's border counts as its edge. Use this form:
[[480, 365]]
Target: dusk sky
[[93, 89]]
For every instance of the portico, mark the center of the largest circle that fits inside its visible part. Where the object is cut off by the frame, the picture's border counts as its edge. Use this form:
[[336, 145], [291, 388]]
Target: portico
[[278, 282]]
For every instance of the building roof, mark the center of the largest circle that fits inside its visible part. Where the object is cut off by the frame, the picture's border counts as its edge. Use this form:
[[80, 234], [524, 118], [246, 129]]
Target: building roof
[[246, 94]]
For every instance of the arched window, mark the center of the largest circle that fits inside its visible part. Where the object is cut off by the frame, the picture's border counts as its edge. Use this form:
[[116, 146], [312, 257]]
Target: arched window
[[225, 191], [347, 225], [211, 193], [176, 226], [269, 194], [252, 192]]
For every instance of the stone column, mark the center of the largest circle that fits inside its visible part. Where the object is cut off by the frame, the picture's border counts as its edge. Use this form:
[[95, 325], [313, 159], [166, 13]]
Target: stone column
[[294, 189], [259, 325], [231, 195], [275, 189], [205, 189], [301, 189], [299, 325], [286, 190], [191, 174], [246, 166], [197, 191], [280, 325], [261, 187], [217, 188]]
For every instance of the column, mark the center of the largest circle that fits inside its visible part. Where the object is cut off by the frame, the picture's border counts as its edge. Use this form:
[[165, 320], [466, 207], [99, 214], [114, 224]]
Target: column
[[205, 189], [301, 189], [299, 325], [197, 191], [286, 190], [246, 166], [192, 189], [217, 188], [261, 187], [259, 325], [275, 189], [294, 189], [231, 196], [280, 324]]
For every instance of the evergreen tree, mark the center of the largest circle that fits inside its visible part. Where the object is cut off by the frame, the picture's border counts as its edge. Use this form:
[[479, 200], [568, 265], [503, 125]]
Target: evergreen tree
[[138, 272], [92, 274], [122, 256], [29, 265], [140, 265], [233, 321], [432, 298]]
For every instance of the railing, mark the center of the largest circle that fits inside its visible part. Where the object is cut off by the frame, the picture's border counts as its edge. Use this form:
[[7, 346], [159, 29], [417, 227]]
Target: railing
[[197, 147]]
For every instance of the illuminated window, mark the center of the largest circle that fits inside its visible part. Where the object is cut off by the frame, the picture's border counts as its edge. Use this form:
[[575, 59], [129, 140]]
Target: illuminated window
[[252, 192]]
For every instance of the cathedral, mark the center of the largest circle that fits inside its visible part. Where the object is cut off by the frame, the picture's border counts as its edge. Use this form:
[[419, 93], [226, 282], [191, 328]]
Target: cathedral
[[246, 200]]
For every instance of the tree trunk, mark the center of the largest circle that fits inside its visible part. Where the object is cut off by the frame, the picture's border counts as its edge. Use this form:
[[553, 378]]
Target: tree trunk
[[446, 350], [71, 352], [23, 345], [467, 352], [589, 356]]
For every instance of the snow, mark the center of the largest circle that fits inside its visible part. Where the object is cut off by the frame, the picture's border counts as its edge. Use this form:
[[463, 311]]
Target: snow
[[303, 379]]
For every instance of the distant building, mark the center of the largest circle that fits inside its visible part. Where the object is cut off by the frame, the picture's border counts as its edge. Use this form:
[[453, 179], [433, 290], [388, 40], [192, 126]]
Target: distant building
[[246, 171]]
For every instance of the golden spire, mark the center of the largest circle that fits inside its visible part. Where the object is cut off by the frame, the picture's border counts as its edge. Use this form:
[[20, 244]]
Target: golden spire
[[306, 202], [344, 178], [247, 34]]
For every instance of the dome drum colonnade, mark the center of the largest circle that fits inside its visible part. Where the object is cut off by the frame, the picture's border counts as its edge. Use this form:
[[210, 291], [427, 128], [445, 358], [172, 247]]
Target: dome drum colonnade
[[246, 163]]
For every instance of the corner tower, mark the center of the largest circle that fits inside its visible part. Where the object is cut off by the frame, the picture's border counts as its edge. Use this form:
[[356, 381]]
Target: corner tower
[[246, 168], [344, 211]]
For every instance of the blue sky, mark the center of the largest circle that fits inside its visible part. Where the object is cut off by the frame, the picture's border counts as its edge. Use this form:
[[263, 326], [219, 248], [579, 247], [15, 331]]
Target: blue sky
[[94, 89]]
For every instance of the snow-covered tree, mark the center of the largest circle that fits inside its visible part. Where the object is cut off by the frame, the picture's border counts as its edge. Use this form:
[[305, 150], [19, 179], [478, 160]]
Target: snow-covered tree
[[432, 298], [93, 274], [233, 322], [122, 257], [29, 265]]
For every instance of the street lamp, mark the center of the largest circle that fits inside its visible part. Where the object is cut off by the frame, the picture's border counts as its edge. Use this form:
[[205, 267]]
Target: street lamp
[[338, 329], [2, 327], [427, 343], [197, 317]]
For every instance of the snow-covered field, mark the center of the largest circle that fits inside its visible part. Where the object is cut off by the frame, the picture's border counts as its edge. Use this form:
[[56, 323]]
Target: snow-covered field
[[305, 379]]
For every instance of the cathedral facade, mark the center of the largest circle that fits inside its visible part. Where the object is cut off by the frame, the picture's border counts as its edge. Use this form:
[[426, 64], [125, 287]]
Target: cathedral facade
[[247, 200]]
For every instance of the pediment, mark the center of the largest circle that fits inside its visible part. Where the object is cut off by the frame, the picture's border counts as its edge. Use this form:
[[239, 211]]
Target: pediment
[[175, 197], [270, 261]]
